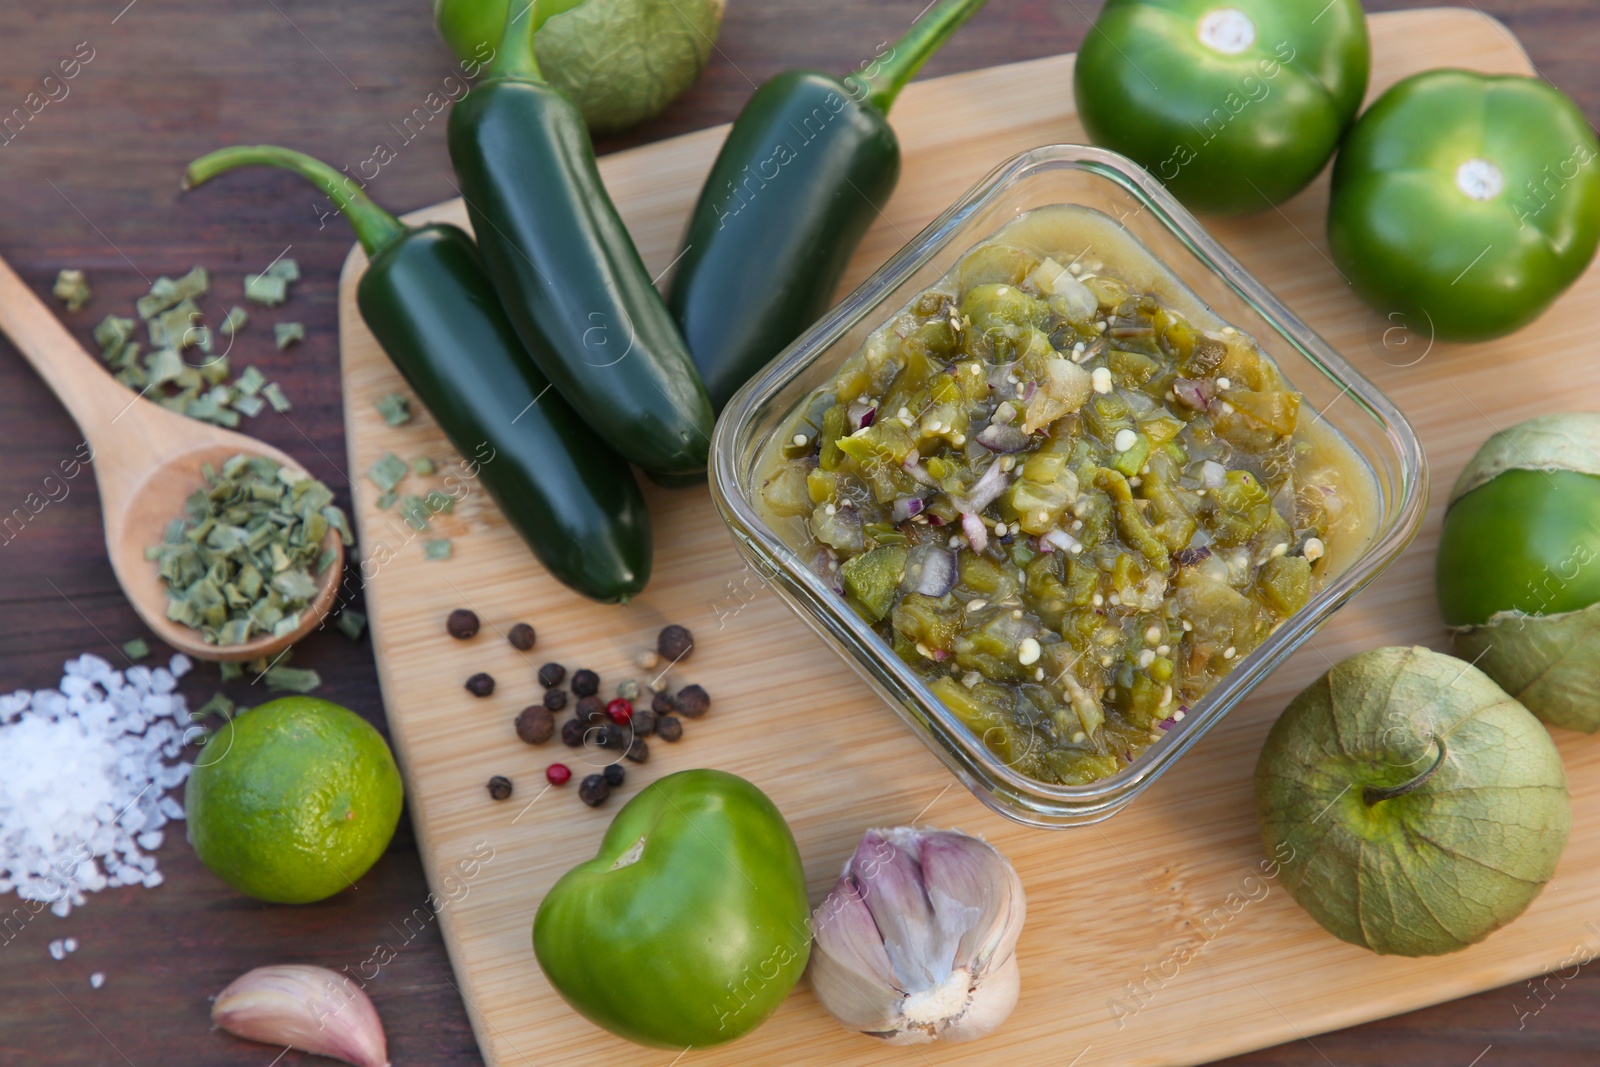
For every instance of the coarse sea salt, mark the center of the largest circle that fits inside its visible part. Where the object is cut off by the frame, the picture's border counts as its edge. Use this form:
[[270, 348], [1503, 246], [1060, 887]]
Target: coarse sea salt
[[84, 770]]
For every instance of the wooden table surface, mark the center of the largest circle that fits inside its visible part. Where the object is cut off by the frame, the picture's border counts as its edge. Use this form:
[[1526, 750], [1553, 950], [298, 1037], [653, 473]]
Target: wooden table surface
[[91, 181]]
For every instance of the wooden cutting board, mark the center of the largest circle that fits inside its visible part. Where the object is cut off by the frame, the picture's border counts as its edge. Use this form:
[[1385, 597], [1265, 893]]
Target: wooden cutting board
[[1152, 938]]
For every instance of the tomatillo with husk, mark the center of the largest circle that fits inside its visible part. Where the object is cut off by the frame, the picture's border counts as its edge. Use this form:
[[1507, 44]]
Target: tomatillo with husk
[[1412, 806], [1518, 571], [1466, 203], [690, 925]]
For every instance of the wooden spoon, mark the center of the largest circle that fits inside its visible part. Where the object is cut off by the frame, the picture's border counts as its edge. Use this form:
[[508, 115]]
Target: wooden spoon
[[147, 462]]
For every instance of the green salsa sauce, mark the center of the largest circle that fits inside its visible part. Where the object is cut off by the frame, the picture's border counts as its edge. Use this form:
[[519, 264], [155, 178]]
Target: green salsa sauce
[[1068, 496]]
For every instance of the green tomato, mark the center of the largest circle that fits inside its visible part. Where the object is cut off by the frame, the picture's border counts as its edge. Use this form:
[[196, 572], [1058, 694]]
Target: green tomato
[[1235, 108], [1526, 541], [1466, 202], [621, 61], [691, 924]]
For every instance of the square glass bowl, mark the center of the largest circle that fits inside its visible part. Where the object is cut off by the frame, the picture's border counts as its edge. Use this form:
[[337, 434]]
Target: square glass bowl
[[1109, 183]]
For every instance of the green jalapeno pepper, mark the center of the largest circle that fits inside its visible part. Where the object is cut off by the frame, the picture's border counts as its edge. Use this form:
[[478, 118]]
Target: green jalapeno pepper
[[566, 270], [426, 298], [806, 169]]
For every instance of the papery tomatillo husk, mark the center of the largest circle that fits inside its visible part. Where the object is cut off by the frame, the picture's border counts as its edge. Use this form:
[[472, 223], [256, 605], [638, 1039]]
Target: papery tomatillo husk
[[1412, 806], [917, 940], [1549, 661]]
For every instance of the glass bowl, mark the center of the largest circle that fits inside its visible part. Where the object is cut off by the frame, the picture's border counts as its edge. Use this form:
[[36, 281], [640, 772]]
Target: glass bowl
[[1116, 186]]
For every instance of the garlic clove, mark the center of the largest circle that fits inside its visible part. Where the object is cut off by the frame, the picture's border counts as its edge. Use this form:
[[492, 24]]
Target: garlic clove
[[886, 865], [973, 888], [849, 960], [309, 1008]]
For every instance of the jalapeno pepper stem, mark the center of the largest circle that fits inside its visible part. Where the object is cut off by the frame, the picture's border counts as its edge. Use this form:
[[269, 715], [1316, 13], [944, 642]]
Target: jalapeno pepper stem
[[515, 58], [914, 49], [1373, 795], [374, 226]]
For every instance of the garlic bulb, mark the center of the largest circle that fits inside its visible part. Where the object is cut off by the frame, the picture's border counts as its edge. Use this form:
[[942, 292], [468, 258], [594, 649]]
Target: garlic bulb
[[917, 941], [309, 1008]]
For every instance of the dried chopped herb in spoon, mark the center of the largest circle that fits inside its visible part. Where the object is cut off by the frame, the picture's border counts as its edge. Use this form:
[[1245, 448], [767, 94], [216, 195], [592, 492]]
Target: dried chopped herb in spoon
[[243, 560]]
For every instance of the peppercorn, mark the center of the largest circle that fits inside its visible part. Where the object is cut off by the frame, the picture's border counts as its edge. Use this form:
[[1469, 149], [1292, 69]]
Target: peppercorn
[[555, 699], [499, 787], [663, 704], [647, 660], [614, 774], [585, 683], [675, 643], [638, 751], [643, 722], [628, 690], [693, 701], [558, 774], [462, 624], [610, 735], [480, 684], [536, 725], [620, 711], [522, 637], [552, 675], [594, 790], [591, 709], [670, 728], [572, 732]]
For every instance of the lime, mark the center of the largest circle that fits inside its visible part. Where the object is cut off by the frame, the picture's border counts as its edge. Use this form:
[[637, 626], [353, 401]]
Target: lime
[[293, 801]]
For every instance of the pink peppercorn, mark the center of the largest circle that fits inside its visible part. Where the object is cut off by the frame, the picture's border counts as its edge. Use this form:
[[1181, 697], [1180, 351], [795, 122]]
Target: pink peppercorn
[[621, 711], [558, 773]]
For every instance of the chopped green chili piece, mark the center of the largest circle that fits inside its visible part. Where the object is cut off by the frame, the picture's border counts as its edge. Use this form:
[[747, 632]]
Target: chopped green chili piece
[[395, 409], [274, 394], [113, 332], [415, 512], [71, 288], [163, 294], [237, 317], [196, 283], [285, 268], [422, 466], [439, 502], [351, 623], [386, 500], [248, 405], [442, 549], [268, 289], [288, 333], [282, 679], [136, 649], [389, 471], [250, 382], [232, 672], [219, 704]]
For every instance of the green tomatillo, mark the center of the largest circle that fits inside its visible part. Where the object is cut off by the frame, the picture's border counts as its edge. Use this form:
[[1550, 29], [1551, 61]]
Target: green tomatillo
[[691, 925], [1236, 105], [1466, 203], [1412, 806], [621, 61], [1518, 571]]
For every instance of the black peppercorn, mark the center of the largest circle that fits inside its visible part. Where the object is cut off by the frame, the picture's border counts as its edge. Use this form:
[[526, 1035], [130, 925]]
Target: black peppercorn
[[594, 790], [536, 725], [552, 675], [611, 736], [614, 774], [670, 728], [638, 751], [499, 787], [555, 699], [480, 684], [572, 732], [643, 722], [591, 709], [462, 624], [585, 683], [693, 701], [663, 704], [675, 643], [521, 637]]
